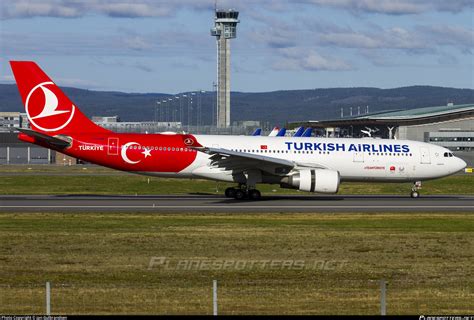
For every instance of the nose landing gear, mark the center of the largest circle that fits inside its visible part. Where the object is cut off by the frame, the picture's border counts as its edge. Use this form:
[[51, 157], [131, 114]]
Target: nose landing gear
[[414, 189]]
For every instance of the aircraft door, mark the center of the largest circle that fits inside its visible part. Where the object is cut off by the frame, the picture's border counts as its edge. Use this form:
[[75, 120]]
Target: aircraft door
[[113, 149], [358, 157], [425, 155]]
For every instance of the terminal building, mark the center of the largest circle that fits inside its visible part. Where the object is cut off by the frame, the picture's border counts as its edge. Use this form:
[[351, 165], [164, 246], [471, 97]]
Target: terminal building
[[450, 126], [14, 151], [13, 120], [114, 123]]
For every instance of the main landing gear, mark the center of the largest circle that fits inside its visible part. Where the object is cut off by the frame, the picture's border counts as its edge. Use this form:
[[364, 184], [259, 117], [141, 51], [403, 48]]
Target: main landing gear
[[414, 189], [242, 192]]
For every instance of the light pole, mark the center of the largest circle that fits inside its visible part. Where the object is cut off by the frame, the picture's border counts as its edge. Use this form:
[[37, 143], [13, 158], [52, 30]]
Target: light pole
[[182, 109], [214, 104], [165, 113], [190, 105], [162, 111], [158, 103], [157, 107], [175, 111], [168, 117], [199, 110]]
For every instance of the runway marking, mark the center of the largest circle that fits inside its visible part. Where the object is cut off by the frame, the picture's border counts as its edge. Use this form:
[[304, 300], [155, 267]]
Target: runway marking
[[244, 207], [273, 197]]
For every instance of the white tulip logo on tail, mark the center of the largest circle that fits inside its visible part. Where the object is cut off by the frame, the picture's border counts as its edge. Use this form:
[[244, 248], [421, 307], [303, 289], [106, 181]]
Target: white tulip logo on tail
[[45, 111]]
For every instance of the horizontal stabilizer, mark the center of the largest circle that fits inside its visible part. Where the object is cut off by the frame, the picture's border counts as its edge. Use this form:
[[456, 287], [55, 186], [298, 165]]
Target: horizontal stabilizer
[[41, 137]]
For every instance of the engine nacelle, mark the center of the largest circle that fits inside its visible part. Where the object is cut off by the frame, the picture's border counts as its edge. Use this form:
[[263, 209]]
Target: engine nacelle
[[313, 180]]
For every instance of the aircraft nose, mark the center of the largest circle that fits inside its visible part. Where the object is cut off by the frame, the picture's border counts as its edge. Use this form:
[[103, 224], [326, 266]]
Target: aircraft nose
[[461, 164]]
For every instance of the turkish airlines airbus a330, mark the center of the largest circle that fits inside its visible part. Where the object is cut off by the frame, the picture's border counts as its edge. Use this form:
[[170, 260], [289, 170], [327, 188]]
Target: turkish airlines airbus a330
[[308, 164]]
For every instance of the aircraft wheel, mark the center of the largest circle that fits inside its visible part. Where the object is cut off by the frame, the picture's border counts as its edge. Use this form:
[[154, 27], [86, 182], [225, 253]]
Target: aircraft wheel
[[254, 194], [415, 194], [230, 192], [239, 194]]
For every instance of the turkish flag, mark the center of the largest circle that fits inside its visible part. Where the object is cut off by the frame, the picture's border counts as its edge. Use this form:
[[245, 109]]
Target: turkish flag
[[392, 168], [263, 147]]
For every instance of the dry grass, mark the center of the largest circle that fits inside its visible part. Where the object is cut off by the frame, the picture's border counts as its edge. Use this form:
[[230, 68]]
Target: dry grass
[[98, 263]]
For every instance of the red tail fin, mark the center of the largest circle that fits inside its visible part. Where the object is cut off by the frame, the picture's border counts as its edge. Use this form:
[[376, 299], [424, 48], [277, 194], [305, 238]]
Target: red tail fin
[[48, 109]]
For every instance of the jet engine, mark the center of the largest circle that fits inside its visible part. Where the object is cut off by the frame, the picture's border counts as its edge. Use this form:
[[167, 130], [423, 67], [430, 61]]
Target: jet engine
[[313, 180]]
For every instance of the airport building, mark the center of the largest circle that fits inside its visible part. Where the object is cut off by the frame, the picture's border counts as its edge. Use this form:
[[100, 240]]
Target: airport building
[[113, 123], [14, 151], [450, 126], [9, 120]]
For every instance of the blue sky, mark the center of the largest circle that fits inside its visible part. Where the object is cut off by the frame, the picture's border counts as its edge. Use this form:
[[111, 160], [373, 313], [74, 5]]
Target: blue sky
[[165, 46]]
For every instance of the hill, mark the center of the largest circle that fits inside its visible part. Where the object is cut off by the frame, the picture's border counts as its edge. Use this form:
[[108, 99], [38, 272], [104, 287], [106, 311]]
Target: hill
[[276, 107]]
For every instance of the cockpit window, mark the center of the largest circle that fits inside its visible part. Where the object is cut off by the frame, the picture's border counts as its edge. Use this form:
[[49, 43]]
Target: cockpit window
[[448, 154]]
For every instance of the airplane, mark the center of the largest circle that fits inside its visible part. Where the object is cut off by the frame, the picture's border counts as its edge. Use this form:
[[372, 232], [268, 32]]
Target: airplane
[[369, 131], [257, 132], [274, 132], [316, 165], [281, 133], [307, 133], [299, 132]]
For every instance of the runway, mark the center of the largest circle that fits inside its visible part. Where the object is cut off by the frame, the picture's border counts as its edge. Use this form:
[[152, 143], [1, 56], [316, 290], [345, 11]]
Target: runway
[[217, 203]]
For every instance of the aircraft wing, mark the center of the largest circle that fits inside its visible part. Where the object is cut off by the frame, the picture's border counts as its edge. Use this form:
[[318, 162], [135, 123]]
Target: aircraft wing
[[240, 161]]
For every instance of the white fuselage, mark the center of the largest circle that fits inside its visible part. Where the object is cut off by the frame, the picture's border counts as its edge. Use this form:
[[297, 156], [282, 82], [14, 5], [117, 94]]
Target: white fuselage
[[364, 159]]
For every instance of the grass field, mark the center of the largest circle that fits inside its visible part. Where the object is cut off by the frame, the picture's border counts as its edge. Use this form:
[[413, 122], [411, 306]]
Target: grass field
[[99, 180], [98, 263]]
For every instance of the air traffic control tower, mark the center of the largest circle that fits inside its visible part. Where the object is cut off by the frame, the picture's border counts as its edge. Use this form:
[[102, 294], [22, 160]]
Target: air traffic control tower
[[225, 28]]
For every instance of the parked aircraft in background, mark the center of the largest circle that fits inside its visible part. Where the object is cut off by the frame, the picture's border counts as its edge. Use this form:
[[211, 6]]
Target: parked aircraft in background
[[307, 133], [257, 132], [299, 132], [274, 132], [306, 164], [281, 133]]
